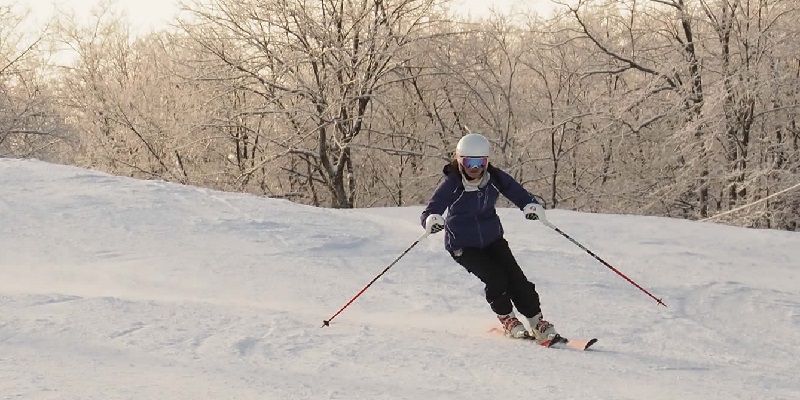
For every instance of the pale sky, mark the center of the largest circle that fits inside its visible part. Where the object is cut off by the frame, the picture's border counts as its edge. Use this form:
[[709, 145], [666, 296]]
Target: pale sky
[[146, 15]]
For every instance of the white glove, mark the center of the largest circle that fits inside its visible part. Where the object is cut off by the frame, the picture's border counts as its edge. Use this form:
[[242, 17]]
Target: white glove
[[534, 211], [434, 223]]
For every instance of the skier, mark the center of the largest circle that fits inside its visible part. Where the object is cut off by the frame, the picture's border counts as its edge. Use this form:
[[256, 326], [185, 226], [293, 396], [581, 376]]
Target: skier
[[474, 235]]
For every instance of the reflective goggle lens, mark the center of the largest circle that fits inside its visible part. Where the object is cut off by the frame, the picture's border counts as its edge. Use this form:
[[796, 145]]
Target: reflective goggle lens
[[474, 162]]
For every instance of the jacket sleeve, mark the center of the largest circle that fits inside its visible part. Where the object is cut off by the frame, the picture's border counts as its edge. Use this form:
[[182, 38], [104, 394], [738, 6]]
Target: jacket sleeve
[[442, 198], [513, 190]]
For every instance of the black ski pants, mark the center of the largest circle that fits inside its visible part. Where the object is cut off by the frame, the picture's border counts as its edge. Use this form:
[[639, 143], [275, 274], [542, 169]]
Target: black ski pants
[[506, 284]]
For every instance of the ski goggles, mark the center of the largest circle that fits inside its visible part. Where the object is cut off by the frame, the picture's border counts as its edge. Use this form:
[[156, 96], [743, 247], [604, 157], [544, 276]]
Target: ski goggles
[[474, 162]]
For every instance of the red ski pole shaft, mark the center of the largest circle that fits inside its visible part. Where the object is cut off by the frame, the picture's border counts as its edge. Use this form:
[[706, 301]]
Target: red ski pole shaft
[[548, 224], [327, 322]]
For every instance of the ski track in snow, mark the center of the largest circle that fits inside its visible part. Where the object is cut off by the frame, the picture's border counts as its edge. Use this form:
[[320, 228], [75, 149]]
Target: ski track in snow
[[115, 288]]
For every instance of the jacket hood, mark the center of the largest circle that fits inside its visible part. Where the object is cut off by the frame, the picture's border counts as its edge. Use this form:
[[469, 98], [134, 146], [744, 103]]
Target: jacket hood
[[451, 168]]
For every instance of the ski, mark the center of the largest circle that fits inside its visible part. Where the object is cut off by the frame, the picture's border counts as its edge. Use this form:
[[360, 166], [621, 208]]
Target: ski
[[574, 344], [558, 342]]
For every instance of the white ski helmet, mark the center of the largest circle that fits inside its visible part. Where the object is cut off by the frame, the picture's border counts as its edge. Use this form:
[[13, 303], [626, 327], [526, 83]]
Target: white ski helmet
[[473, 145]]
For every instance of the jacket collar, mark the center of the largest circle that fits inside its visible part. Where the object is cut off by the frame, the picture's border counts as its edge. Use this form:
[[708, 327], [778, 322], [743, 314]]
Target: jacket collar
[[452, 171], [474, 186]]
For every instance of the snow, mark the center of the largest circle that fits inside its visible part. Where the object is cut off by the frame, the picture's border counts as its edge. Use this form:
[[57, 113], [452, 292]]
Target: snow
[[114, 288]]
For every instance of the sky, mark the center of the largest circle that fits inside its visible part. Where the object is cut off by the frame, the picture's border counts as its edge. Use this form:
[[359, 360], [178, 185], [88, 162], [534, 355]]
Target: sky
[[146, 15], [149, 15], [115, 288]]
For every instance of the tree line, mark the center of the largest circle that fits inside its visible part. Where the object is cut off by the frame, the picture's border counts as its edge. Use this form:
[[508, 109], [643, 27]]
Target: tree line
[[681, 108]]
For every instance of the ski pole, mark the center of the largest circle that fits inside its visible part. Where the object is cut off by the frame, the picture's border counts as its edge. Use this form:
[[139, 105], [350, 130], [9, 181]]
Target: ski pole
[[327, 322], [549, 225]]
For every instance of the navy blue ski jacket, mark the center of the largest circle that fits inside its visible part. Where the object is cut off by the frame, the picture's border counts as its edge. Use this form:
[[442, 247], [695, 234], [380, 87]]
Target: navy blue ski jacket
[[472, 219]]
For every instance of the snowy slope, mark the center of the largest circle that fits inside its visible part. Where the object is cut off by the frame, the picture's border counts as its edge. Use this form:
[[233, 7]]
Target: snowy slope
[[112, 288]]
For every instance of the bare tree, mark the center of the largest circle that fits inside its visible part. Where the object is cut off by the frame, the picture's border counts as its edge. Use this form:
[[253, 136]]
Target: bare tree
[[667, 55], [29, 125], [127, 101], [317, 65], [751, 38]]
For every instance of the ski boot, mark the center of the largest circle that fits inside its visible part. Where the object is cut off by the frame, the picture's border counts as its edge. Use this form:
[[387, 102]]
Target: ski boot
[[512, 326], [541, 330]]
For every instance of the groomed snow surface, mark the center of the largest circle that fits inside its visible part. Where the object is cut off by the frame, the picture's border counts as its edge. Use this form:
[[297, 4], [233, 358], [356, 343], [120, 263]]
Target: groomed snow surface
[[114, 288]]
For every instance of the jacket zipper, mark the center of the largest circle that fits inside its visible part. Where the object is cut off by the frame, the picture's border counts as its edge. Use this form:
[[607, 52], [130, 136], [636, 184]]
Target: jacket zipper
[[477, 222]]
